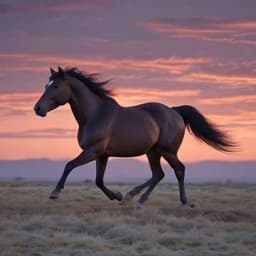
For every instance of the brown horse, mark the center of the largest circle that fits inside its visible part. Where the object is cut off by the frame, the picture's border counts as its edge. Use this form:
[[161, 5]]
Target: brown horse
[[107, 129]]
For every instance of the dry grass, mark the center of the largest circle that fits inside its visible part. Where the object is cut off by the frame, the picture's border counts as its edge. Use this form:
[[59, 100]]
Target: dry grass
[[84, 222]]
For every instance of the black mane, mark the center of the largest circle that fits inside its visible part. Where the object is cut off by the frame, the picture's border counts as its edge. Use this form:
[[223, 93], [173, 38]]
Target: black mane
[[91, 81]]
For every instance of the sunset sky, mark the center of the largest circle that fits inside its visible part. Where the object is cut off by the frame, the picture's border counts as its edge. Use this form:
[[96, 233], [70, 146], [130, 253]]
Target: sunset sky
[[200, 53]]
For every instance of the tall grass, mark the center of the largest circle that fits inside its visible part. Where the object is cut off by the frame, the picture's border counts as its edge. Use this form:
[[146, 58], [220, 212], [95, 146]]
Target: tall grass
[[84, 222]]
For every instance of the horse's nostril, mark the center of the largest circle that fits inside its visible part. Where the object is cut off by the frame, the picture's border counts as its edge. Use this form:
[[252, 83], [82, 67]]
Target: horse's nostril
[[37, 108], [40, 110]]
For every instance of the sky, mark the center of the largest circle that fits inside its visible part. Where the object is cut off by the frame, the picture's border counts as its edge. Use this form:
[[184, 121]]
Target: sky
[[200, 53]]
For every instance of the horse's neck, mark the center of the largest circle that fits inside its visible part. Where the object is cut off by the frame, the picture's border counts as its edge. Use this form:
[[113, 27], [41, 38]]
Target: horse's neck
[[83, 102]]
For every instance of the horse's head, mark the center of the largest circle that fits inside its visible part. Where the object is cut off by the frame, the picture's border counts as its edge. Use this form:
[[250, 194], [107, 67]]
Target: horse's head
[[57, 92]]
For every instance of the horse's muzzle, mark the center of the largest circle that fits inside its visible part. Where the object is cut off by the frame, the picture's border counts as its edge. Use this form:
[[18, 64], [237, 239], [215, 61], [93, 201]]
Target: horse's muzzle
[[39, 110]]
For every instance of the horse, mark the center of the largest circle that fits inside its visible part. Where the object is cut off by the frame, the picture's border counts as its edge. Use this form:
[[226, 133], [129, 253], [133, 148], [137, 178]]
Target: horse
[[107, 129]]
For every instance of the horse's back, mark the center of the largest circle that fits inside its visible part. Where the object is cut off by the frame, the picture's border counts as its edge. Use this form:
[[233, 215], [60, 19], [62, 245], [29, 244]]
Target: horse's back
[[163, 115]]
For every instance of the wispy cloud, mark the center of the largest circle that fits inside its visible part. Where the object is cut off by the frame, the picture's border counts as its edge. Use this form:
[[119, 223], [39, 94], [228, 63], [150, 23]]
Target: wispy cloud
[[229, 100], [132, 96], [36, 63], [16, 104], [238, 31], [233, 74], [213, 78], [176, 69], [20, 104], [41, 133]]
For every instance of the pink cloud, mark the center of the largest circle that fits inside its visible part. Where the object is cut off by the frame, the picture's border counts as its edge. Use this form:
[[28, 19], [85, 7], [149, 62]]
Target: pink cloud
[[212, 78], [225, 31], [20, 104], [36, 63]]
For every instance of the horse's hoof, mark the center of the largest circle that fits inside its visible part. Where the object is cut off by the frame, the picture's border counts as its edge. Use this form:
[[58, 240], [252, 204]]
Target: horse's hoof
[[54, 194], [138, 205], [126, 199], [53, 197], [192, 205], [188, 204], [119, 196]]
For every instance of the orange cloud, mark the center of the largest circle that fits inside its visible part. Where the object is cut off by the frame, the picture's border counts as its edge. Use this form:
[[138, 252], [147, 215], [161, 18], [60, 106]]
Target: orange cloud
[[229, 100], [225, 78], [132, 96], [20, 104], [243, 119], [41, 133], [156, 92], [8, 97], [17, 103]]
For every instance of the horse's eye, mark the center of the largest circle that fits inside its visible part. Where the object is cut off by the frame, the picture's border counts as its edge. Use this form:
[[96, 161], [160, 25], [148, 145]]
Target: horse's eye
[[49, 84], [55, 86]]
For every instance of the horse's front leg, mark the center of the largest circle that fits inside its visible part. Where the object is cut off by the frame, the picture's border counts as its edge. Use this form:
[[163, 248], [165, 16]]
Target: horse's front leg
[[101, 163], [88, 155]]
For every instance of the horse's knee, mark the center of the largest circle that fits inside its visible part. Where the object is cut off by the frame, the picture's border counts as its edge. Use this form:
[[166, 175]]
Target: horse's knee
[[160, 176], [179, 167], [157, 177], [180, 174]]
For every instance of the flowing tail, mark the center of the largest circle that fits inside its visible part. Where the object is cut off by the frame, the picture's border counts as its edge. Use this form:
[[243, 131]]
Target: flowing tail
[[204, 130]]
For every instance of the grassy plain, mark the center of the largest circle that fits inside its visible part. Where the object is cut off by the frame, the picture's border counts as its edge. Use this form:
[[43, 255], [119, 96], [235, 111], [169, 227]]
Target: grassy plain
[[84, 222]]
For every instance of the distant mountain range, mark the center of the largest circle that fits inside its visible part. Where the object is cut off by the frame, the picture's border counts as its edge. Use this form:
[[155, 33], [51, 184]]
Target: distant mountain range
[[128, 170]]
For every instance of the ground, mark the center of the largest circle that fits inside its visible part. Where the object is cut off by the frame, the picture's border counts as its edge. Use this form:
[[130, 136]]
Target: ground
[[84, 222]]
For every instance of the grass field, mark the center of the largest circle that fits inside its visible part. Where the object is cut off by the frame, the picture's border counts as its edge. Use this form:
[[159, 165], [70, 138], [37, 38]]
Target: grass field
[[84, 222]]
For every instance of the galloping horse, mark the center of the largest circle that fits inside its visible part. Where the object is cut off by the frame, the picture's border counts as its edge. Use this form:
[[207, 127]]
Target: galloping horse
[[107, 129]]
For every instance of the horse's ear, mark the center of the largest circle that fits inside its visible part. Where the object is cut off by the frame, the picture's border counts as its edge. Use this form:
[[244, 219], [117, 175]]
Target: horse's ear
[[60, 71], [52, 71]]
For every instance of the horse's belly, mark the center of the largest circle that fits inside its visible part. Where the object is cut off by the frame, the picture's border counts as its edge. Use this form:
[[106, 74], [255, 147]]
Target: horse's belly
[[125, 147], [133, 137]]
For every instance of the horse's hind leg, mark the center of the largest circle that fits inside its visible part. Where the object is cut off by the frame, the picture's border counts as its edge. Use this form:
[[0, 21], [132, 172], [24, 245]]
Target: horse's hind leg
[[157, 175], [179, 170]]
